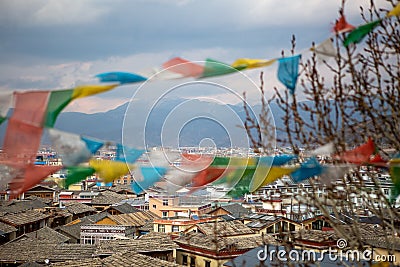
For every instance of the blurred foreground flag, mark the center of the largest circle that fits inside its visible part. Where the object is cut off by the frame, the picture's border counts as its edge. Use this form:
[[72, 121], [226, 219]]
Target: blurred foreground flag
[[72, 149]]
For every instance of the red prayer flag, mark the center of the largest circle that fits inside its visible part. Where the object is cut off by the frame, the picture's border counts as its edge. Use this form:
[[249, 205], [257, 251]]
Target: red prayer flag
[[342, 26], [360, 154], [32, 176], [21, 142], [207, 176], [30, 107], [378, 160], [184, 67]]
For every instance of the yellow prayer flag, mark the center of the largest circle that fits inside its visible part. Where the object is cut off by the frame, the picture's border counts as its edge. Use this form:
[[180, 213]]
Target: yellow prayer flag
[[249, 63], [265, 175], [91, 89], [109, 170], [395, 11]]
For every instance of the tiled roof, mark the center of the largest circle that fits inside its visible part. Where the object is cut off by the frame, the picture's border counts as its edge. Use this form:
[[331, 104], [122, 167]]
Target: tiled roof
[[210, 243], [6, 228], [386, 242], [91, 262], [78, 208], [28, 249], [22, 205], [223, 228], [124, 208], [120, 259], [47, 234], [73, 229], [134, 219], [129, 258], [236, 210], [22, 218], [109, 247], [316, 235], [118, 188], [147, 227], [107, 198]]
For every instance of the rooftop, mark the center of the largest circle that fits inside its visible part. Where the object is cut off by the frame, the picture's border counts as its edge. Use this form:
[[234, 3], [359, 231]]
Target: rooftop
[[224, 228], [124, 208], [119, 259], [144, 244], [212, 244], [22, 205], [47, 234], [24, 217], [107, 198], [78, 208], [28, 250], [134, 219]]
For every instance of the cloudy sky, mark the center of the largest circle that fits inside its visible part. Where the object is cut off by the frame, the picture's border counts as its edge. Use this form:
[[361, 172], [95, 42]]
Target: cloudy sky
[[48, 44]]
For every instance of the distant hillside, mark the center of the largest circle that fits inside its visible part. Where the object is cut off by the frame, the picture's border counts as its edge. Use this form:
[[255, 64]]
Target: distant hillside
[[222, 127]]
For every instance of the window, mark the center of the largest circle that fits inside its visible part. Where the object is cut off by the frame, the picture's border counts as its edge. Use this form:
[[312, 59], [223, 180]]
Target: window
[[165, 202], [175, 228], [165, 214], [207, 263], [161, 228], [192, 261], [154, 206], [184, 259], [386, 191]]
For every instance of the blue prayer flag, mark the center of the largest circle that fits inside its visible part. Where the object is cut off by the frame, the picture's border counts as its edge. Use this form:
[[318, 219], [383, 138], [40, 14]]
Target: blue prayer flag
[[127, 154], [288, 71], [307, 170], [121, 77]]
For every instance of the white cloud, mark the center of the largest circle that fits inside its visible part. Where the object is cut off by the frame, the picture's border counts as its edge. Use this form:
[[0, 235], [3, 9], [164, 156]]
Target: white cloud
[[51, 13]]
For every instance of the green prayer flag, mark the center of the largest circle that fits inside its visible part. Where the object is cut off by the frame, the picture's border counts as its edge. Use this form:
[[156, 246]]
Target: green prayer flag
[[215, 68], [58, 100], [242, 186], [395, 175], [77, 174], [2, 119], [360, 32]]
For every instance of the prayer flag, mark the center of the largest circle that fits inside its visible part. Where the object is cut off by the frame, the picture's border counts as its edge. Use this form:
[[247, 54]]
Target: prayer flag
[[266, 175], [215, 68], [325, 49], [127, 154], [121, 77], [394, 171], [109, 170], [92, 144], [91, 89], [58, 100], [342, 26], [308, 169], [76, 174], [184, 67], [32, 176], [71, 148], [324, 150], [6, 101], [395, 11], [288, 71], [360, 154], [360, 32], [332, 173], [147, 177], [248, 63]]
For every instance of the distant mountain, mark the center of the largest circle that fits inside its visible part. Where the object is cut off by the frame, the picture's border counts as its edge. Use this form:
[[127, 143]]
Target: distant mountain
[[171, 122]]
